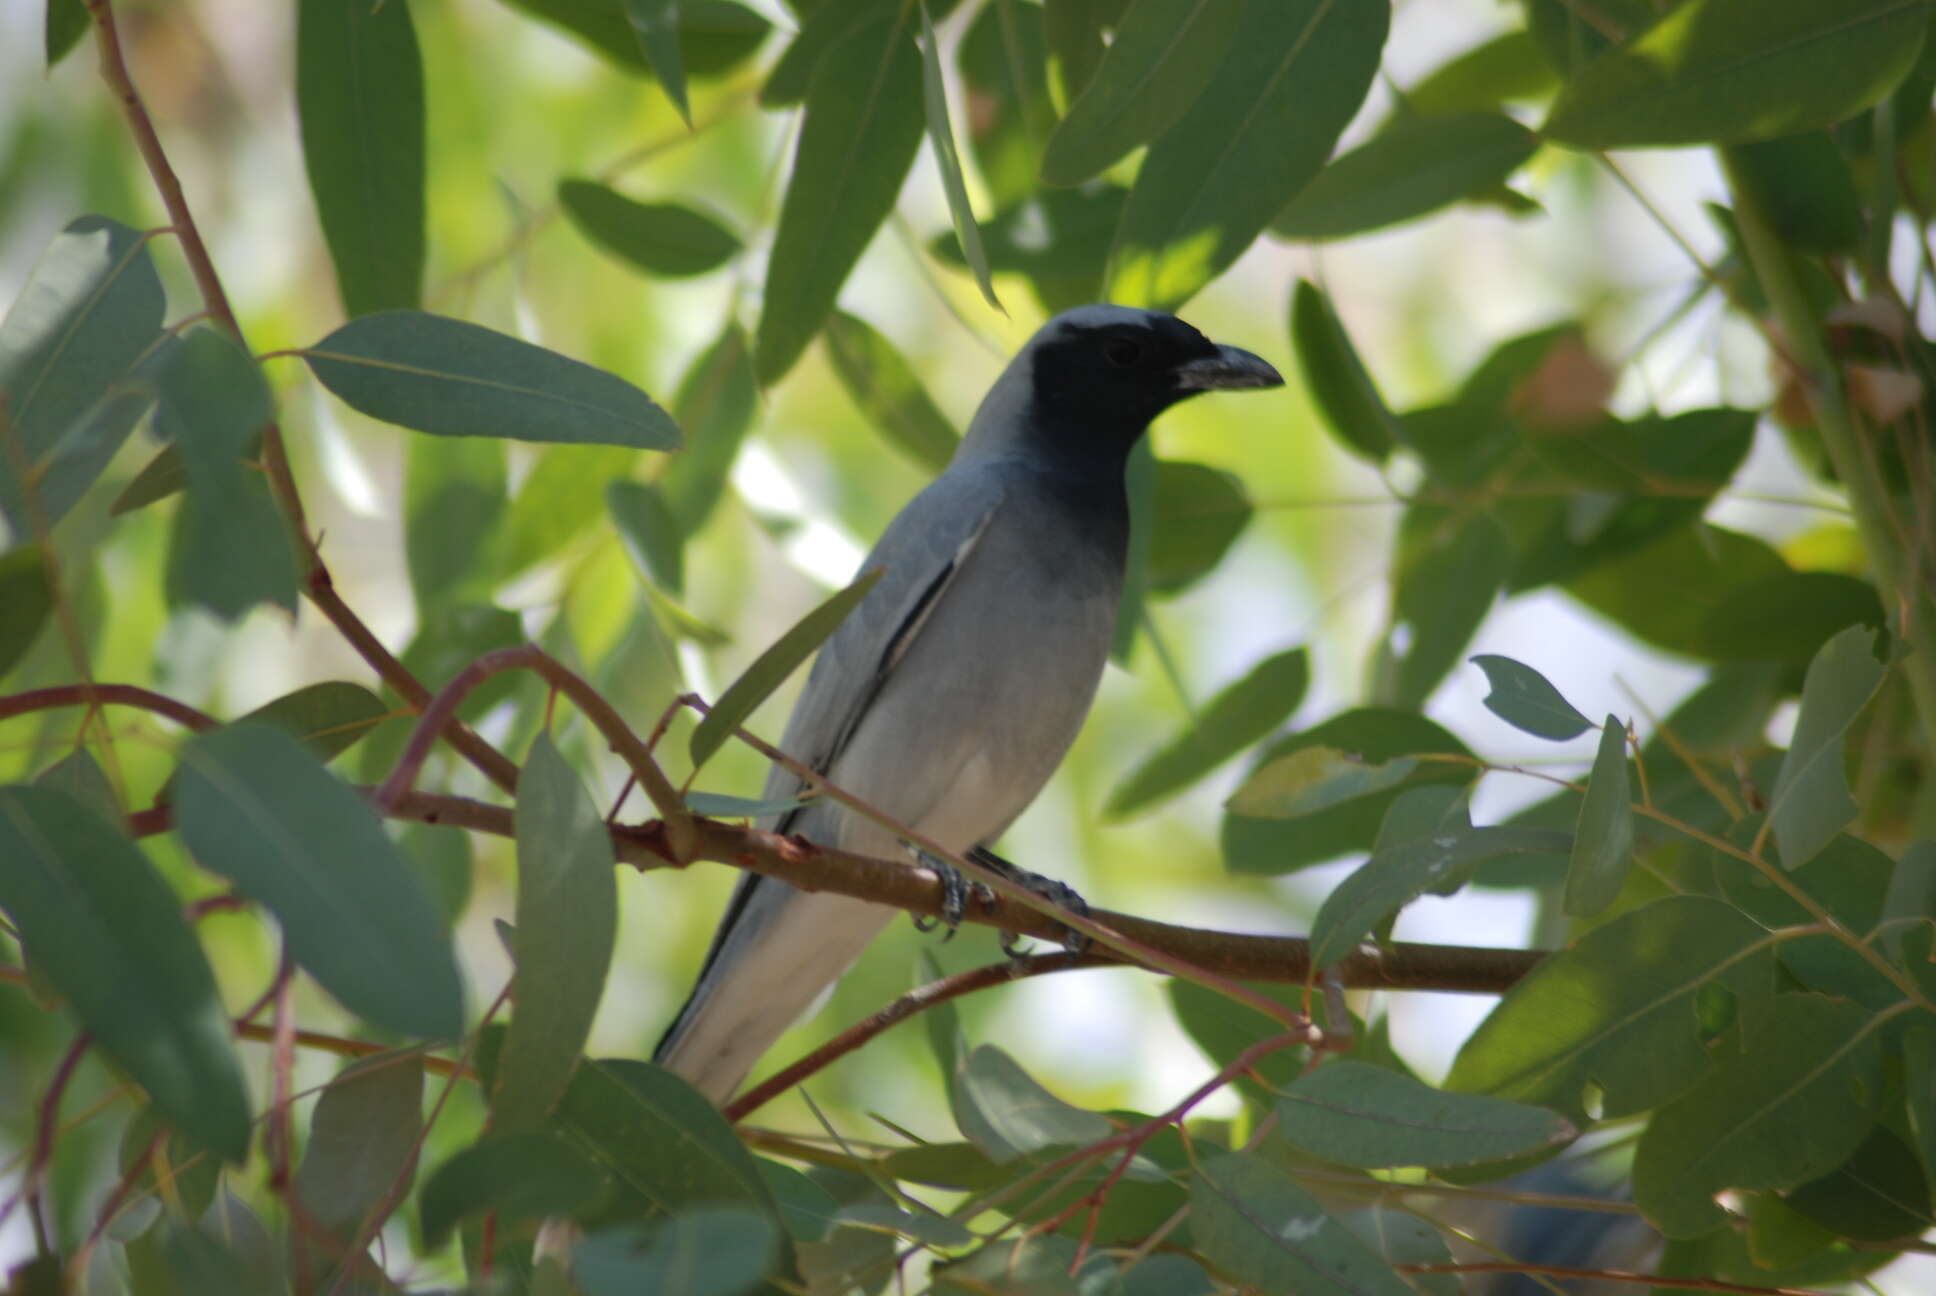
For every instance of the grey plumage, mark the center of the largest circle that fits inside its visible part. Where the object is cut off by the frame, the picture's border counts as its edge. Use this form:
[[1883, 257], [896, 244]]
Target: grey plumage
[[952, 693]]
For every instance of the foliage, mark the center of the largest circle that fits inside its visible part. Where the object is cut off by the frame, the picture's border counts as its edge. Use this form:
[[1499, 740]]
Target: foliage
[[1736, 1021]]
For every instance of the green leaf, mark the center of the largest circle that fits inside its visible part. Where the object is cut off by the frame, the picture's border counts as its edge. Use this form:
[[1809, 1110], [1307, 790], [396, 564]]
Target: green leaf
[[1004, 66], [714, 35], [1336, 378], [362, 1141], [714, 404], [567, 921], [1414, 167], [1372, 1118], [1074, 32], [1197, 512], [1523, 698], [1402, 1238], [1919, 1086], [161, 477], [862, 127], [1603, 839], [360, 101], [81, 777], [519, 1176], [717, 805], [1568, 37], [1311, 779], [1878, 1195], [663, 239], [705, 1251], [1617, 1008], [326, 718], [1005, 1113], [1236, 717], [233, 550], [1057, 239], [807, 1209], [1213, 180], [1451, 566], [771, 668], [1222, 1028], [29, 600], [1811, 802], [650, 532], [656, 24], [931, 1230], [1258, 1226], [444, 376], [1505, 68], [1851, 880], [453, 637], [67, 22], [71, 348], [1164, 55], [454, 504], [1731, 71], [441, 858], [1909, 910], [104, 930], [1793, 1091], [941, 138], [1805, 188], [253, 806], [179, 1172], [562, 498], [884, 385]]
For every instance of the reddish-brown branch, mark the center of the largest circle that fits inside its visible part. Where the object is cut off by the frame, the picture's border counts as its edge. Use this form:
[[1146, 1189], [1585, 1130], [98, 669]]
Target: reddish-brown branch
[[1609, 1275], [46, 1126], [94, 695]]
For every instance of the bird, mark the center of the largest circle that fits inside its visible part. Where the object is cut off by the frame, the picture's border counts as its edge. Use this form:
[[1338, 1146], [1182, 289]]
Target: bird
[[954, 689]]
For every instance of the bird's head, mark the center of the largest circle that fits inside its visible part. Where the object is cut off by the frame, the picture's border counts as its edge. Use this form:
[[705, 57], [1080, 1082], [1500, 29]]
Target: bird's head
[[1091, 379]]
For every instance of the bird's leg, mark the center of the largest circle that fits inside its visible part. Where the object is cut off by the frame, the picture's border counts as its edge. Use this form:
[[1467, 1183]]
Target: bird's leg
[[955, 890], [1059, 893]]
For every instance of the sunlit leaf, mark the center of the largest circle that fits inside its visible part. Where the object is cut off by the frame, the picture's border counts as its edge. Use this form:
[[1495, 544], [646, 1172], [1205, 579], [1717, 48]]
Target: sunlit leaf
[[1004, 65], [665, 239], [1411, 169], [1805, 188], [1811, 801], [1367, 1116], [881, 381], [454, 501], [1506, 68], [651, 534]]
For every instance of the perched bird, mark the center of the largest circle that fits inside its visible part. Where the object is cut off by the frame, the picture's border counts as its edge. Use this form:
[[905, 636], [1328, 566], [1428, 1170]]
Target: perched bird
[[950, 695]]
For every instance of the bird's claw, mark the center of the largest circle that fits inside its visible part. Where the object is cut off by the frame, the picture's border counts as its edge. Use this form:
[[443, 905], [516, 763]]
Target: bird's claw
[[1057, 893], [955, 890]]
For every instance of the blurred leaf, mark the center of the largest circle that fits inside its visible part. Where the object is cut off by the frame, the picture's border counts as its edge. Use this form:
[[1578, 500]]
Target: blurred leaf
[[1414, 167], [663, 239], [1004, 64], [941, 138], [1258, 1226], [87, 317], [567, 920], [326, 718], [1603, 840], [1805, 188], [1365, 1116], [1505, 68], [1163, 56], [650, 531], [518, 1176], [161, 477], [862, 127], [1567, 37], [256, 808], [1794, 1089], [179, 1171], [887, 390], [1336, 378], [102, 927], [1523, 698], [771, 668], [931, 1230], [447, 377], [960, 1166], [1878, 1195], [1732, 71], [440, 856], [362, 1141], [1139, 486], [1197, 514], [454, 504], [1236, 717], [1074, 32], [1919, 1086], [1058, 239], [453, 637], [1402, 1238], [66, 23], [714, 404], [656, 24], [1005, 1113], [703, 1251], [822, 28], [1311, 779], [1212, 181], [714, 35], [1909, 909], [1617, 1009], [715, 805], [81, 777], [1450, 567], [561, 499], [1222, 1028], [1811, 801], [1374, 736], [29, 600], [1848, 878], [807, 1209], [360, 102]]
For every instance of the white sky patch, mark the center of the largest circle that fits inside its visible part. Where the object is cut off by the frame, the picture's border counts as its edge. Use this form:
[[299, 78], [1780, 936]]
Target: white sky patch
[[343, 467], [814, 545]]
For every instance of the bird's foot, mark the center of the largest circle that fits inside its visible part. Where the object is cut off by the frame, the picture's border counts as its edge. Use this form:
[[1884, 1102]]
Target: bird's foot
[[1058, 893], [955, 890]]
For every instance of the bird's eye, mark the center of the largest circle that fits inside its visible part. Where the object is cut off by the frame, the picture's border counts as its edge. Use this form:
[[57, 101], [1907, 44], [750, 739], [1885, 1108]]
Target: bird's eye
[[1122, 352]]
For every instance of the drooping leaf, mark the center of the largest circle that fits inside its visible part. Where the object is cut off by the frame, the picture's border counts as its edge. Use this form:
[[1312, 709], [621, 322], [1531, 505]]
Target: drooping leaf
[[941, 139], [702, 1251], [771, 668], [362, 1142], [519, 1176], [807, 1209], [1235, 718], [1409, 170], [1567, 37], [1806, 189], [656, 24], [714, 405], [567, 921], [106, 932], [444, 376], [1259, 1226], [71, 348], [29, 600], [1162, 58], [1450, 567], [1811, 801], [885, 387], [714, 35], [454, 503], [66, 23], [1213, 180], [1732, 71], [1007, 1114], [1366, 1116], [1523, 698], [664, 239], [862, 127], [1603, 839], [1057, 239], [1196, 514], [253, 806], [360, 102], [1336, 378], [1004, 66], [1793, 1092]]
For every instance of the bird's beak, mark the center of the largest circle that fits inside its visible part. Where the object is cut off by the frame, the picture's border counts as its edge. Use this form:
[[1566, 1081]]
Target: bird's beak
[[1230, 367]]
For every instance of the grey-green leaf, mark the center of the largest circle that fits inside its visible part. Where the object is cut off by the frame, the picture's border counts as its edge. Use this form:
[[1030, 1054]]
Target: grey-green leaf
[[567, 921], [360, 101], [703, 1251], [1337, 379], [444, 376], [362, 1140], [881, 381], [519, 1176], [651, 533], [1368, 1116], [327, 718], [1413, 168], [1603, 839], [28, 598], [1007, 1114], [103, 928], [1259, 1226], [664, 239], [771, 668], [714, 404], [1311, 779], [253, 806], [1523, 698], [1811, 801], [941, 138], [656, 24]]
